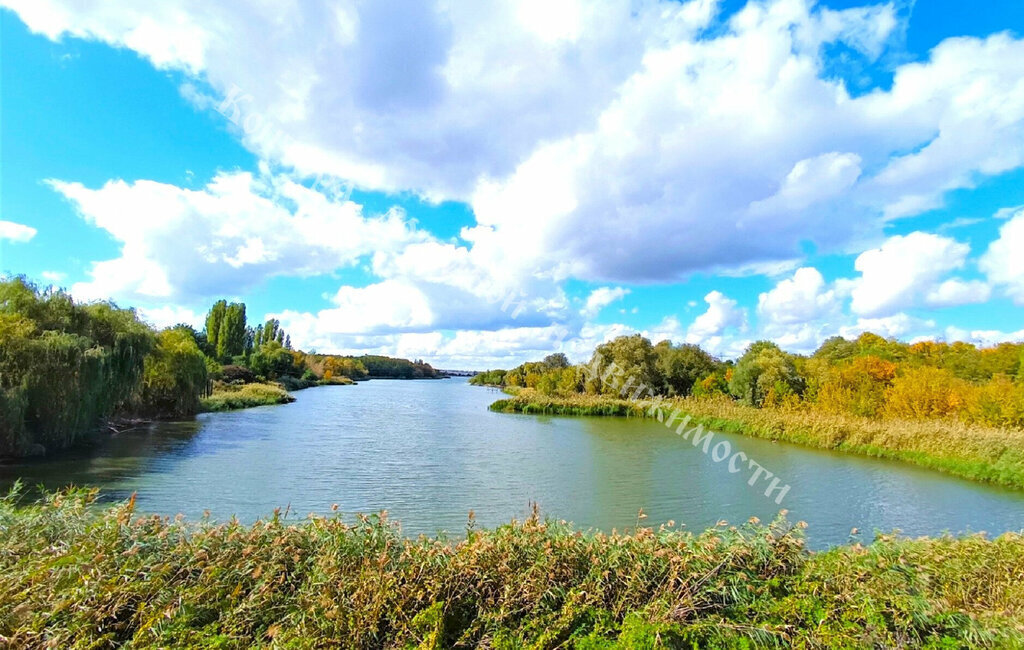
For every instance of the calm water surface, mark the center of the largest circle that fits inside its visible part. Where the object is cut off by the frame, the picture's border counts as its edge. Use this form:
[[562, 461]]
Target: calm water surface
[[429, 451]]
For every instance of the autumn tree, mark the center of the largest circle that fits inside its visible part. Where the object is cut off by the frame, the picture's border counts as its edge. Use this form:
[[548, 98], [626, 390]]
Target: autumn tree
[[857, 386]]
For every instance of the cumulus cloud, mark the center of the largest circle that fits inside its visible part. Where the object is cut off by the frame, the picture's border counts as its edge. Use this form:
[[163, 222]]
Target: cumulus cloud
[[1003, 262], [801, 311], [610, 141], [168, 316], [715, 330], [907, 271], [958, 292], [899, 325], [182, 245], [600, 298], [983, 338], [464, 349], [704, 151], [16, 232], [799, 299]]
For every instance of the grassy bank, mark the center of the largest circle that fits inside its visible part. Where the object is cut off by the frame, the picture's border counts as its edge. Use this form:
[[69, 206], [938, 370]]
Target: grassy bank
[[229, 397], [970, 451], [75, 576]]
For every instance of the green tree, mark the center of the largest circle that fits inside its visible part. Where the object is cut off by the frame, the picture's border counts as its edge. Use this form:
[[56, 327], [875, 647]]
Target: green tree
[[623, 366], [176, 375], [683, 366], [556, 361], [270, 328], [214, 320], [765, 375], [63, 366], [231, 339], [272, 361]]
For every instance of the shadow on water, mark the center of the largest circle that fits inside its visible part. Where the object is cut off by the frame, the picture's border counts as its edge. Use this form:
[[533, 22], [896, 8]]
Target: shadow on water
[[105, 462]]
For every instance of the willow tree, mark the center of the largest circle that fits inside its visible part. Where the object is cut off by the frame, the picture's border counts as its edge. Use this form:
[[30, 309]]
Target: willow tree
[[175, 376], [765, 375], [63, 366]]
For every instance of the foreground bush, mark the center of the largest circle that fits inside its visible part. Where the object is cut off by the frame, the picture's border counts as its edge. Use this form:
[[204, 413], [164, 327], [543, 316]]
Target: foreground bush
[[976, 452], [229, 397], [75, 576]]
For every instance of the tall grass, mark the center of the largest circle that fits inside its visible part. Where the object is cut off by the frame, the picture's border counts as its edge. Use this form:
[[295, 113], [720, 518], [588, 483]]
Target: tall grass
[[989, 454], [75, 576], [228, 397]]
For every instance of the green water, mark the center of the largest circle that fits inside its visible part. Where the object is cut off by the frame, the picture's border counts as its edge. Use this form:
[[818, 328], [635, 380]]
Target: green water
[[429, 452]]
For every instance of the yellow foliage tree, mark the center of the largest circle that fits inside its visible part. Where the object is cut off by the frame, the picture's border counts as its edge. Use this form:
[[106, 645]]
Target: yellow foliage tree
[[857, 387], [927, 392]]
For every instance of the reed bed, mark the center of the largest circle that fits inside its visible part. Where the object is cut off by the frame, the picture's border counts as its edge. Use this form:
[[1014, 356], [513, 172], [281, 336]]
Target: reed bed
[[76, 576], [989, 454], [229, 397]]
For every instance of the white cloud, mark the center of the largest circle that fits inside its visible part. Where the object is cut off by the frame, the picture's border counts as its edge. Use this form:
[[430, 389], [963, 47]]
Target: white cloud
[[600, 298], [800, 312], [908, 271], [812, 180], [16, 232], [1003, 262], [55, 277], [899, 326], [168, 316], [182, 245], [958, 292], [1006, 213], [799, 299], [715, 330], [705, 149], [611, 141], [465, 349], [973, 111], [983, 338]]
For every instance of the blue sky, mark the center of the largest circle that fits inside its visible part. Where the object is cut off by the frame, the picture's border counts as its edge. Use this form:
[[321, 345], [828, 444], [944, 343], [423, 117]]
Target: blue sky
[[481, 188]]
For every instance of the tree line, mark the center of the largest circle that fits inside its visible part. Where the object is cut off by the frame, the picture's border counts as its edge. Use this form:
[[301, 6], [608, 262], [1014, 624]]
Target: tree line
[[869, 376], [66, 367]]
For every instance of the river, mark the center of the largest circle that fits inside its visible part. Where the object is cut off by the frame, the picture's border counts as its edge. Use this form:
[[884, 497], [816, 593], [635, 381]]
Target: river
[[428, 452]]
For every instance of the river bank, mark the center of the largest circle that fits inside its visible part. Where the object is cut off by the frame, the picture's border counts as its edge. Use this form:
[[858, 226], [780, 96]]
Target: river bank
[[234, 397], [114, 577], [974, 452]]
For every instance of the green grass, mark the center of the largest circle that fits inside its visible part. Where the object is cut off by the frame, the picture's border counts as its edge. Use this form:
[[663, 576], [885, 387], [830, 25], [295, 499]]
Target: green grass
[[988, 454], [229, 397], [76, 576]]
